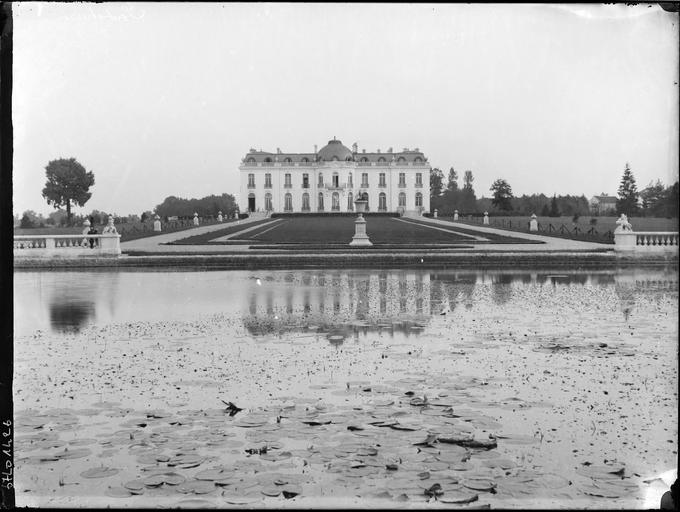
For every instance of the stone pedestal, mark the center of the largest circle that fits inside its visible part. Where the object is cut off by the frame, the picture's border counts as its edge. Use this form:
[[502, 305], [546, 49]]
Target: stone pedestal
[[360, 237], [219, 217], [195, 219], [455, 215], [486, 218], [157, 224], [435, 214], [533, 223]]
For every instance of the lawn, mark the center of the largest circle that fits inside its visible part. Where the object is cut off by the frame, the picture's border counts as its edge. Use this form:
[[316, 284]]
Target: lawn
[[128, 231], [205, 238], [564, 227], [330, 231]]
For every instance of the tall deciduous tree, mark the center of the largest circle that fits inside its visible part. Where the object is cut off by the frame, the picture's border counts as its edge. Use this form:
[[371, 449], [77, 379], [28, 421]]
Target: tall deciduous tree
[[554, 209], [502, 194], [67, 183], [436, 182], [628, 195], [452, 184]]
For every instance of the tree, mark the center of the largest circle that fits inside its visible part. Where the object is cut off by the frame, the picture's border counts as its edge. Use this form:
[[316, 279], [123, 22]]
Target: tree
[[30, 219], [467, 182], [147, 215], [653, 198], [545, 211], [67, 182], [452, 184], [26, 221], [436, 182], [554, 210], [628, 195], [502, 195]]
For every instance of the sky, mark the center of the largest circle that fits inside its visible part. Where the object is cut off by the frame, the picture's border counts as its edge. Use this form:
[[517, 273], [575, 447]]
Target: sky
[[160, 99]]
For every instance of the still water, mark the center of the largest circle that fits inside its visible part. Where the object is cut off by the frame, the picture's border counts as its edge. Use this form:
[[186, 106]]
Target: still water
[[67, 302], [565, 382]]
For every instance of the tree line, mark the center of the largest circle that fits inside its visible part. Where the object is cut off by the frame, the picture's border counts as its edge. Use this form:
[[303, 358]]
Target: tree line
[[655, 200]]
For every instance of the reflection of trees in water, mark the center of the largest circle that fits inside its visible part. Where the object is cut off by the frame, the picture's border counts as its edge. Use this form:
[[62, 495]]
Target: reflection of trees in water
[[501, 288], [70, 316]]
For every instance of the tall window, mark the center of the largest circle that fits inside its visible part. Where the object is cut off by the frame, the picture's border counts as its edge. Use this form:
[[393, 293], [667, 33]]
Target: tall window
[[305, 180], [320, 201], [364, 179], [251, 181], [402, 199], [336, 180], [402, 179], [381, 179], [321, 179], [419, 199], [287, 182], [288, 202], [268, 202], [382, 202], [349, 180], [305, 202], [419, 179], [350, 201], [336, 202], [267, 180]]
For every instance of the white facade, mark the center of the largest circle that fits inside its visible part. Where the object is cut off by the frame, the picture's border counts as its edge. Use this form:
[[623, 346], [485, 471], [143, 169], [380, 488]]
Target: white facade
[[331, 179]]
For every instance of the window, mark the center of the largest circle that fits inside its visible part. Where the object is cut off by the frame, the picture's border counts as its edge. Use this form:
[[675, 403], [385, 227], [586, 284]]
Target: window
[[417, 160], [251, 181], [364, 179], [419, 179], [401, 161], [336, 202], [382, 202], [287, 183], [402, 179], [305, 202], [320, 201], [419, 199], [268, 202], [268, 161], [381, 160], [305, 180], [349, 180], [288, 204], [350, 202], [336, 180], [381, 178], [250, 161], [402, 199], [321, 179], [287, 161], [267, 180]]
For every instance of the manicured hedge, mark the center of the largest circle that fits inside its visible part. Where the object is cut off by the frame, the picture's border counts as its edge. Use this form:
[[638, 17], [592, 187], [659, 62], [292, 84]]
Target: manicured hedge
[[332, 214]]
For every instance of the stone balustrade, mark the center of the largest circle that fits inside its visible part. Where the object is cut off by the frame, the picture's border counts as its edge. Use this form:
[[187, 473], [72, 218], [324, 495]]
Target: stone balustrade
[[49, 246], [646, 242]]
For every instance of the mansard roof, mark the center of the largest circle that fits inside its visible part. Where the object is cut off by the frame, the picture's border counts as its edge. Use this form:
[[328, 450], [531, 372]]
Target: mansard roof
[[335, 150]]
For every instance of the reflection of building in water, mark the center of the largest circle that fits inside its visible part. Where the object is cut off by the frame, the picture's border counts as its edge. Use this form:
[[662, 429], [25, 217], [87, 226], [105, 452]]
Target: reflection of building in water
[[333, 299], [629, 282]]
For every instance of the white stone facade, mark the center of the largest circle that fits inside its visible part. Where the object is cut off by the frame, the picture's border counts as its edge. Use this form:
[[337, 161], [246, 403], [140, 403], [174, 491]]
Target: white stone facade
[[331, 179]]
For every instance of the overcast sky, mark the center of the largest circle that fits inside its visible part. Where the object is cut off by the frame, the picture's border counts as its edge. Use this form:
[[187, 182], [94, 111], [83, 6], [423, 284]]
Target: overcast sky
[[165, 99]]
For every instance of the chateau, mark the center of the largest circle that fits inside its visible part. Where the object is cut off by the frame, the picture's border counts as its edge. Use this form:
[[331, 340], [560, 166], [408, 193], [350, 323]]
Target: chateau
[[331, 179]]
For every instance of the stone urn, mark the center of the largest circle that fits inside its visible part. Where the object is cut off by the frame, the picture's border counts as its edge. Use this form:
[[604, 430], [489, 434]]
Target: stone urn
[[486, 218], [157, 223], [195, 219], [219, 217], [533, 223], [455, 215], [360, 237]]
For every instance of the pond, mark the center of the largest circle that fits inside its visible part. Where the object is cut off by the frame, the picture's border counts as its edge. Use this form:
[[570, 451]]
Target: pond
[[361, 388]]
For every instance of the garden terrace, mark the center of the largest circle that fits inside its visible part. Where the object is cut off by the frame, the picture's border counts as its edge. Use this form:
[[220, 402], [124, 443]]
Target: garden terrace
[[337, 231]]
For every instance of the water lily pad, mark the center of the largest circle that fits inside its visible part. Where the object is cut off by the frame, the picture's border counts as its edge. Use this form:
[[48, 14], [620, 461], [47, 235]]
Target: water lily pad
[[134, 485], [479, 484], [196, 503], [210, 474], [457, 497], [100, 472], [196, 487], [118, 492], [271, 491]]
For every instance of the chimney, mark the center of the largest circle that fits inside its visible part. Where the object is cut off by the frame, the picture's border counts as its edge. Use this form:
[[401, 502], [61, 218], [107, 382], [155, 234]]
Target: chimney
[[315, 149], [278, 150], [378, 150], [389, 150], [363, 150], [355, 148], [405, 149]]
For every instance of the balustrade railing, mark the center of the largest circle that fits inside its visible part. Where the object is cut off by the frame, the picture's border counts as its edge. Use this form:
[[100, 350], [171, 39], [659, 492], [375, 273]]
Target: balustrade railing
[[646, 241], [67, 245]]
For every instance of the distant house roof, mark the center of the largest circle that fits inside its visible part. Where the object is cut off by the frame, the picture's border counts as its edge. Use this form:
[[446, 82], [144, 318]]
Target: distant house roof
[[604, 199]]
